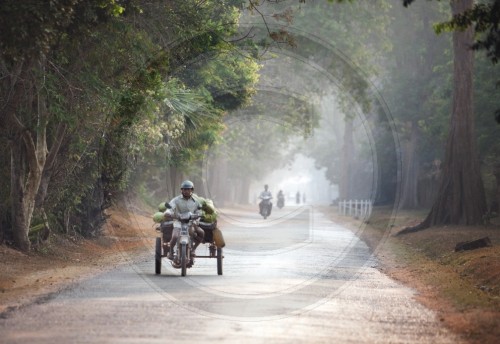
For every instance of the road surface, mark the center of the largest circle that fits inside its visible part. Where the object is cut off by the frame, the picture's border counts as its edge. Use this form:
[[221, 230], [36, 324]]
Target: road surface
[[293, 278]]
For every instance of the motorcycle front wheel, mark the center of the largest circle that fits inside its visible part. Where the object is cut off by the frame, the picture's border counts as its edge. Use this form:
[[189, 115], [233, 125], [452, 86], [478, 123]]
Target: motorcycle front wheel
[[183, 259]]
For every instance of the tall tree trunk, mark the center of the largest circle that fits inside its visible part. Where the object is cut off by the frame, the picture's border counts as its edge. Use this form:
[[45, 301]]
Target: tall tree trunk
[[28, 155], [219, 190], [20, 220], [461, 199], [245, 190], [26, 174], [211, 179], [496, 201], [173, 182], [197, 178], [48, 168], [409, 198], [347, 154], [46, 158]]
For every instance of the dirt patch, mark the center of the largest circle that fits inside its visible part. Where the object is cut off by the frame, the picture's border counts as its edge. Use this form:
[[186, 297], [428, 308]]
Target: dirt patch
[[462, 287], [65, 260]]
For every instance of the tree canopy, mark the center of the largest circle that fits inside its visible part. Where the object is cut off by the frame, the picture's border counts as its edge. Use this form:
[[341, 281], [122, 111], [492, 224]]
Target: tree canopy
[[79, 78], [103, 97]]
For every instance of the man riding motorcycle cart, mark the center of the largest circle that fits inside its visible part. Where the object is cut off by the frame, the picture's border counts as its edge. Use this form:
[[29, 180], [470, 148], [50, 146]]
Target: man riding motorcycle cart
[[185, 222], [184, 203]]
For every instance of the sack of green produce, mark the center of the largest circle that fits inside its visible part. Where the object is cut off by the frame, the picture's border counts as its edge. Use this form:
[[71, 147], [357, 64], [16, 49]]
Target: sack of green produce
[[207, 205], [210, 218], [162, 207], [158, 217]]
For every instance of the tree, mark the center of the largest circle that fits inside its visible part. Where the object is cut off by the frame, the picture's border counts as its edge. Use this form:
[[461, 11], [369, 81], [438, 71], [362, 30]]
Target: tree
[[214, 69], [78, 74], [415, 76], [485, 18], [30, 30], [358, 30], [461, 199], [255, 143], [485, 98]]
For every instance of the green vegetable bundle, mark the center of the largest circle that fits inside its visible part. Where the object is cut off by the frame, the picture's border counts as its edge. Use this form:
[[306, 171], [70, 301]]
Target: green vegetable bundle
[[162, 207], [208, 208], [209, 218], [158, 217]]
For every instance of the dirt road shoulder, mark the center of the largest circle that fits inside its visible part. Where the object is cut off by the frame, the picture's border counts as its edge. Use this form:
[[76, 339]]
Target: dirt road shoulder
[[65, 260], [462, 287]]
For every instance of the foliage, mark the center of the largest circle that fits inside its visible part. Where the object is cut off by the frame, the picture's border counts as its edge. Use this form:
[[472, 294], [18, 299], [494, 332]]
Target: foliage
[[107, 69], [209, 75], [33, 28], [418, 86], [260, 137], [357, 33], [484, 16], [142, 87]]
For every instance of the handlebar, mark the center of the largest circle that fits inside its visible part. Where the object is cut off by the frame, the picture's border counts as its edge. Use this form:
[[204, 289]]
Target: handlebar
[[186, 217]]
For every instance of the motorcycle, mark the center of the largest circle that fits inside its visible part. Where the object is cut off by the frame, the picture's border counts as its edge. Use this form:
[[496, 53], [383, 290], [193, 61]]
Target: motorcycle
[[181, 257], [281, 201], [266, 206]]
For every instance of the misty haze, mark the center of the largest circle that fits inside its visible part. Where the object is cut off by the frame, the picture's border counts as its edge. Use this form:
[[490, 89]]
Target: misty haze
[[250, 171]]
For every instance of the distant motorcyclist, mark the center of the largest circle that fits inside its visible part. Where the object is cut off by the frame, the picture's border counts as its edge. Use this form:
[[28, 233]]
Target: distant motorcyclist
[[265, 197], [182, 204], [281, 199]]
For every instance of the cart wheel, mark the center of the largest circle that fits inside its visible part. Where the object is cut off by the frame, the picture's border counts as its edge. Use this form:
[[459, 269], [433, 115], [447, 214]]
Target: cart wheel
[[183, 260], [158, 256], [219, 261]]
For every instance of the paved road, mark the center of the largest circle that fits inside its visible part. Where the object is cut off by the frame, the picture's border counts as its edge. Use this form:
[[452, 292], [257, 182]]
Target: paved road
[[293, 278]]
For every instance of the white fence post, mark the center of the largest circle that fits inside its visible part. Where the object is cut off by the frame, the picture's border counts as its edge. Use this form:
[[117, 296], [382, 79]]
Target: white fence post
[[356, 208], [365, 208]]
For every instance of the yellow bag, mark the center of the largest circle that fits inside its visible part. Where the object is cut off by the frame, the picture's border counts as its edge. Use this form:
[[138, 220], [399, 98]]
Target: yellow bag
[[218, 238]]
